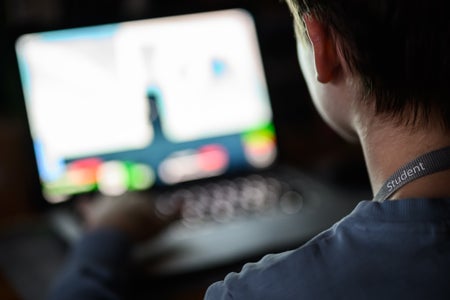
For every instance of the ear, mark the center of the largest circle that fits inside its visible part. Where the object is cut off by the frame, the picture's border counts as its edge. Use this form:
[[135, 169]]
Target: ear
[[325, 52]]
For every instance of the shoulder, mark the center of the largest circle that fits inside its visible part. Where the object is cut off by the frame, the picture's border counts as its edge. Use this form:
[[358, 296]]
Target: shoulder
[[276, 276]]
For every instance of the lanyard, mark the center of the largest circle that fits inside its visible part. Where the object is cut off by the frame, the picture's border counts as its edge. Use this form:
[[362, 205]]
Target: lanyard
[[426, 164]]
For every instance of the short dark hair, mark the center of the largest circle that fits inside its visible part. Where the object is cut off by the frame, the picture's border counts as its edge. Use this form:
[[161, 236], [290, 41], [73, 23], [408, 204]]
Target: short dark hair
[[399, 48]]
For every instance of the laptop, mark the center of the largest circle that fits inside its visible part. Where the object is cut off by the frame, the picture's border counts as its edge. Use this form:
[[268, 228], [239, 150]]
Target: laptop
[[178, 106]]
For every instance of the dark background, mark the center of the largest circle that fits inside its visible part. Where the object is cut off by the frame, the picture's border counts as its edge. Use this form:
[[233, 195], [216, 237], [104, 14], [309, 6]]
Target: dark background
[[304, 140]]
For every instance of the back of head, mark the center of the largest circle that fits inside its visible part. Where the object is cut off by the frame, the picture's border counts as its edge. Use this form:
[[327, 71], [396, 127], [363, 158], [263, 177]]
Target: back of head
[[400, 50]]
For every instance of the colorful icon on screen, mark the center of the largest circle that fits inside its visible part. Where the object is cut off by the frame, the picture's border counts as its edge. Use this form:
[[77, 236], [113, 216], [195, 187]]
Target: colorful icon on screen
[[112, 178], [117, 177], [78, 177], [260, 146], [207, 161], [84, 171], [212, 158], [219, 67], [141, 177]]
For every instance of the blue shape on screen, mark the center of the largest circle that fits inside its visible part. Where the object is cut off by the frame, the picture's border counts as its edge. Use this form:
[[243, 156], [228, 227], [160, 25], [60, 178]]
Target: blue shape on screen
[[49, 170], [90, 32], [24, 76], [219, 67]]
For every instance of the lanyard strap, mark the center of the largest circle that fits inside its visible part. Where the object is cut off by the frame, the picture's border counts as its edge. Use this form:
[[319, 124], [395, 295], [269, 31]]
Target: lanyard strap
[[429, 163]]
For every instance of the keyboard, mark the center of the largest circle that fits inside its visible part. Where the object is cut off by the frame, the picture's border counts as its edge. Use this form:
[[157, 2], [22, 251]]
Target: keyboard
[[227, 200], [229, 220]]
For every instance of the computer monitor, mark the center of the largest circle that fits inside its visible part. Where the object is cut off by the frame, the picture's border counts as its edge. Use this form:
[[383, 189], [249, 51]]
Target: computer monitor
[[139, 104]]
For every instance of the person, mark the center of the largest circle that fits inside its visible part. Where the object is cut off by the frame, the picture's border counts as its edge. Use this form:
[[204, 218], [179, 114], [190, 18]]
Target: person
[[378, 73]]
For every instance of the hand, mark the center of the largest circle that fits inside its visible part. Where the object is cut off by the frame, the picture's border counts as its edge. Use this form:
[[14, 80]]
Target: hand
[[133, 214]]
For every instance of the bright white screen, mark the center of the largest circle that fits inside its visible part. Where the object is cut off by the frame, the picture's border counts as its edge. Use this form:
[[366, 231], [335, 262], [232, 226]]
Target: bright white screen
[[88, 89]]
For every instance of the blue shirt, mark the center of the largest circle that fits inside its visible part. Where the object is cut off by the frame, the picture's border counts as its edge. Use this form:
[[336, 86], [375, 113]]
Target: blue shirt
[[390, 250]]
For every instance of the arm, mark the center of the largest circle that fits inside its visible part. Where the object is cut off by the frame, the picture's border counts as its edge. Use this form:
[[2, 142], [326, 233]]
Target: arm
[[97, 266]]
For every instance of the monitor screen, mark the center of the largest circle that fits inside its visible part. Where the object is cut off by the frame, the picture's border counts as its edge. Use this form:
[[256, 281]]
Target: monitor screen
[[132, 105]]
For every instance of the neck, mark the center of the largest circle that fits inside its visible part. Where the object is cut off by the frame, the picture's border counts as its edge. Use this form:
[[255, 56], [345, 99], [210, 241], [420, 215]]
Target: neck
[[387, 148]]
